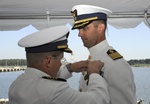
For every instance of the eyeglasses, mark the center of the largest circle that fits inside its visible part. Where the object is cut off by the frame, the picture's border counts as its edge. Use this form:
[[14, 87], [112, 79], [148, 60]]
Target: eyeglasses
[[64, 61]]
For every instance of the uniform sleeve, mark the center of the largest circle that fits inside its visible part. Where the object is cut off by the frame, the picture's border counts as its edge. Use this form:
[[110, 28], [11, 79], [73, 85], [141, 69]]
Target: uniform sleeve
[[121, 83], [97, 93], [64, 73]]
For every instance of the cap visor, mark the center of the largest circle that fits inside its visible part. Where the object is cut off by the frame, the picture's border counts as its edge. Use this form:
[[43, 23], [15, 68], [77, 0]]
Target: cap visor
[[68, 50]]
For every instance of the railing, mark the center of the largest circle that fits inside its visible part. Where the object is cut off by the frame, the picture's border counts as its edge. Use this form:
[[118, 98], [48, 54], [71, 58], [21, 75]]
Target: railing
[[4, 101], [10, 69]]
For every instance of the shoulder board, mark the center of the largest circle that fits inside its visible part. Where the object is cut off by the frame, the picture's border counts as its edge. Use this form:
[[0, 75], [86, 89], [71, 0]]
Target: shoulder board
[[57, 79], [114, 54]]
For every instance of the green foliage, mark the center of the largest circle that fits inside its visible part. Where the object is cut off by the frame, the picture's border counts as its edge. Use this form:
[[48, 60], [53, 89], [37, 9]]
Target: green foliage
[[13, 62], [139, 63], [23, 62]]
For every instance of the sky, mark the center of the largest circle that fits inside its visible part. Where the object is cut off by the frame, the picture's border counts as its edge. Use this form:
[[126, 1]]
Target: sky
[[131, 43]]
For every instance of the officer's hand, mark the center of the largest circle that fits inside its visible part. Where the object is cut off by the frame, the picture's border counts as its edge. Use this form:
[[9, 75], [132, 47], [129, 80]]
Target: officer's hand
[[95, 67], [79, 66]]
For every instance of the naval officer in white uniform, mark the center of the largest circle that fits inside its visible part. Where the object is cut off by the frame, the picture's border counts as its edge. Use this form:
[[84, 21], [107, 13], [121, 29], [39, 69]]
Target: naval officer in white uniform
[[41, 84], [91, 21]]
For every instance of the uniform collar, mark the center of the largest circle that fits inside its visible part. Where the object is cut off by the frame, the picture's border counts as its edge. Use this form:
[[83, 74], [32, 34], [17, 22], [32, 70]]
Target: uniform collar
[[99, 46], [35, 72]]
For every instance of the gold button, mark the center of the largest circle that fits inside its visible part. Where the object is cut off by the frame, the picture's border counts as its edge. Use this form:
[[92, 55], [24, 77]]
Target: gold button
[[80, 90], [83, 72]]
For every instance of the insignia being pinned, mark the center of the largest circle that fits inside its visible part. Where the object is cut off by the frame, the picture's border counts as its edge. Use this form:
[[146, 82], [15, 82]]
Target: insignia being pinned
[[114, 54], [101, 73], [89, 58]]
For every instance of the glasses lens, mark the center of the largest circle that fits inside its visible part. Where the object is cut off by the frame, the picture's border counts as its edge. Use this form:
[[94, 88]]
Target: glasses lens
[[64, 61]]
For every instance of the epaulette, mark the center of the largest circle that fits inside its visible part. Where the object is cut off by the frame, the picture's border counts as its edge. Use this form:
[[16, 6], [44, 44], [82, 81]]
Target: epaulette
[[57, 79], [114, 54]]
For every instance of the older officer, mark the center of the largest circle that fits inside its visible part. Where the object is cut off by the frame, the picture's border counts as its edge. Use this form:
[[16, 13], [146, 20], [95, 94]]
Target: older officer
[[40, 84], [92, 22]]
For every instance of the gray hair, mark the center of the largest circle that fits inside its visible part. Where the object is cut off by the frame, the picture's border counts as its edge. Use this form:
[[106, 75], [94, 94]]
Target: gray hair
[[37, 58]]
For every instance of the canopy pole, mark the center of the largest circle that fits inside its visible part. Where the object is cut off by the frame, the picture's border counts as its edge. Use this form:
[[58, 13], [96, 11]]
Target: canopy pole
[[48, 18], [145, 16]]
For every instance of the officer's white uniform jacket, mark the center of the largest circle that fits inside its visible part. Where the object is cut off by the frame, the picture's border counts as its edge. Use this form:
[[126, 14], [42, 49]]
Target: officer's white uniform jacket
[[31, 88], [117, 74]]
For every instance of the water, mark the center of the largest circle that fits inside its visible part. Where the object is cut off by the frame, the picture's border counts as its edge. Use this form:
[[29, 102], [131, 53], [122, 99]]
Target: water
[[142, 81], [6, 78], [141, 75]]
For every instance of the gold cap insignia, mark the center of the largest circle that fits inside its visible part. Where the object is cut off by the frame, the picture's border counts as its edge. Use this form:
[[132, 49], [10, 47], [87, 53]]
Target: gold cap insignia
[[74, 14]]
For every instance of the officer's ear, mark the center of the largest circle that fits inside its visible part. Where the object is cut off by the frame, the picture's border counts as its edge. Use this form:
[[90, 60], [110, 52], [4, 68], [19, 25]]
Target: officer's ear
[[101, 27], [48, 61]]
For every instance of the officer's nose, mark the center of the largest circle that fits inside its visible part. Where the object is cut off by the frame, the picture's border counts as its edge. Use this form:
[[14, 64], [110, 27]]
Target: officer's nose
[[81, 33]]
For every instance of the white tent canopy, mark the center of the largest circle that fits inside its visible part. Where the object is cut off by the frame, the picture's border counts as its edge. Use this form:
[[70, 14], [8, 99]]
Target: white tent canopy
[[17, 14]]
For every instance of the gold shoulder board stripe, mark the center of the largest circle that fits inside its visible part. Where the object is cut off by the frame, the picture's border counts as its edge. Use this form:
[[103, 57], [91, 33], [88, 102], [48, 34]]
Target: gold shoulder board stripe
[[57, 79], [114, 54]]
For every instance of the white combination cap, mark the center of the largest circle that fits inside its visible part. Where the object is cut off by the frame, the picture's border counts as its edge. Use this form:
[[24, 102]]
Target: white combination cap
[[47, 40], [84, 14]]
